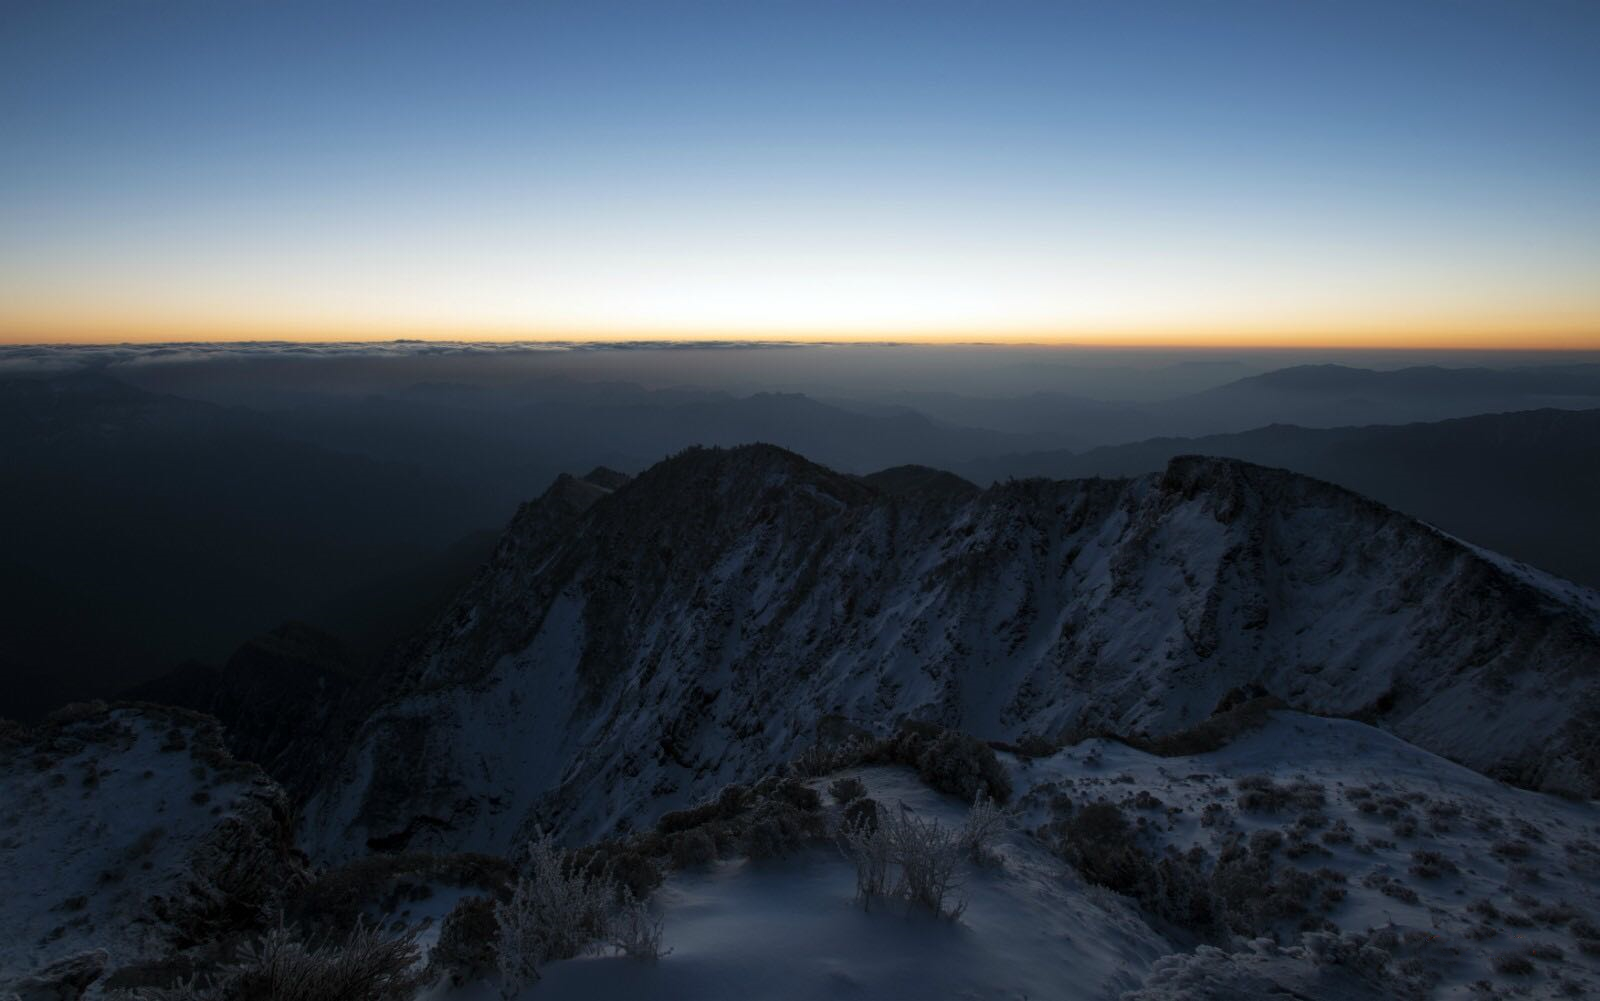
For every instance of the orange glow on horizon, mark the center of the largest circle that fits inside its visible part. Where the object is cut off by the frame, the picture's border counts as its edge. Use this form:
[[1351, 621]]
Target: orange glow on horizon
[[1576, 336]]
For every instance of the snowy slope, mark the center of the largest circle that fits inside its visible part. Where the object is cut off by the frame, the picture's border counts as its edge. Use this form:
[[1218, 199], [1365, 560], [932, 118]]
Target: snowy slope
[[113, 825], [1032, 928], [790, 929], [1509, 869], [631, 650]]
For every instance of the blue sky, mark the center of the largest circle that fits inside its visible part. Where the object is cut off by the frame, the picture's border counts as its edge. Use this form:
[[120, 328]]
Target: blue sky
[[1137, 170]]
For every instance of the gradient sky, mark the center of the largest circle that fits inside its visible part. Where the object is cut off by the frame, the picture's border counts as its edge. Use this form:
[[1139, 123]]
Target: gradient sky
[[1187, 172]]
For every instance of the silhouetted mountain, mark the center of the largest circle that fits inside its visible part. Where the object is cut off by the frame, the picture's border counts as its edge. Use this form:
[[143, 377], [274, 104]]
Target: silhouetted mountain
[[920, 481], [1304, 395], [273, 694]]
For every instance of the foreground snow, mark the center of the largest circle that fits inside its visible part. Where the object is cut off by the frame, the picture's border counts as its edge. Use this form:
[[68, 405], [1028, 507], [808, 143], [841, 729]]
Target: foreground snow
[[790, 929], [1033, 929], [114, 831], [1431, 880]]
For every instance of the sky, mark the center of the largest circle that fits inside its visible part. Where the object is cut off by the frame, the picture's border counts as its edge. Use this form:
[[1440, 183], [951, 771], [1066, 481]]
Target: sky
[[1133, 172]]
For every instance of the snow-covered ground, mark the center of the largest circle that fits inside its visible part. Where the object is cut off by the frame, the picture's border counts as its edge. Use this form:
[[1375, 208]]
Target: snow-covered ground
[[106, 827], [1420, 878], [1511, 870], [1514, 873], [791, 929]]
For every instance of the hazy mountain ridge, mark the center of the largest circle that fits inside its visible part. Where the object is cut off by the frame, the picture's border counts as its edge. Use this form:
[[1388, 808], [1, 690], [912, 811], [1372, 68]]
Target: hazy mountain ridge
[[1523, 483], [626, 652], [1313, 396]]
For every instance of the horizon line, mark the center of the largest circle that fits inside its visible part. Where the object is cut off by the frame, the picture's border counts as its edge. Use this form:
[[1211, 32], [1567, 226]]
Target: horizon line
[[1507, 343]]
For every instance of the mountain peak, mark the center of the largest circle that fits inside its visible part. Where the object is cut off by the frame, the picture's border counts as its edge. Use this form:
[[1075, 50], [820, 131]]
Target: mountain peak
[[690, 630], [605, 478]]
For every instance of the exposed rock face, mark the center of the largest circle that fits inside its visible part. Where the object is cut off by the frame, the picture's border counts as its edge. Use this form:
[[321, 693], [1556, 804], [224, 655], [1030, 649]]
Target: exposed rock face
[[630, 649], [132, 830]]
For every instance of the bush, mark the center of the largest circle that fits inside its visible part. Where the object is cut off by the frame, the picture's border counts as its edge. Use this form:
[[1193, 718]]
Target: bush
[[768, 820], [1259, 793], [845, 790], [1099, 843], [775, 829], [1389, 887], [634, 931], [1179, 891], [621, 863], [927, 855], [862, 842], [862, 813], [1232, 719], [465, 951], [335, 900], [963, 766], [1253, 895], [798, 795], [1507, 849], [366, 966], [985, 824], [693, 849], [1558, 913], [924, 854], [821, 759], [1339, 834], [675, 821], [1513, 963], [558, 910], [948, 760], [1431, 865]]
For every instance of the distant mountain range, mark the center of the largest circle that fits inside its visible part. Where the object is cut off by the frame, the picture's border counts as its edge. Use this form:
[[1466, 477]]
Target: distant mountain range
[[1526, 484], [1307, 395]]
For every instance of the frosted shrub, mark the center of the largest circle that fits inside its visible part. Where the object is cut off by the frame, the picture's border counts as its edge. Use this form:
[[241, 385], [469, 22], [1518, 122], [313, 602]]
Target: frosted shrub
[[820, 759], [844, 790], [923, 854], [634, 931], [1100, 844], [866, 844], [986, 822], [558, 910], [366, 966], [237, 877], [465, 951], [928, 855], [693, 849], [957, 763], [555, 912]]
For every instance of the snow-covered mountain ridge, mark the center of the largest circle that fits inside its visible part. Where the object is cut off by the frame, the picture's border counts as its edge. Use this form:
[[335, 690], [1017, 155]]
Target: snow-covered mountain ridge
[[634, 645]]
